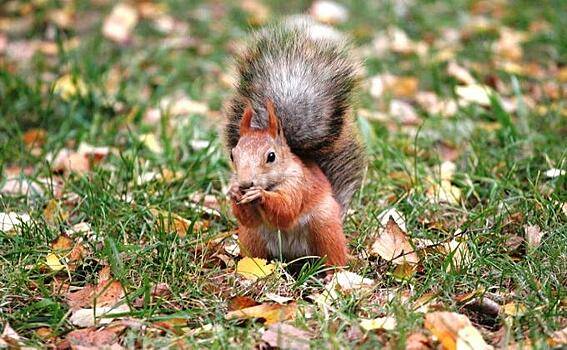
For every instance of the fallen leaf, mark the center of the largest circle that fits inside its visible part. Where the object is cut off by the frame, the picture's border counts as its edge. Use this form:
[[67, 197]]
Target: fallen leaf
[[459, 253], [254, 268], [118, 26], [387, 323], [67, 161], [278, 298], [258, 13], [151, 142], [271, 313], [454, 331], [558, 338], [10, 338], [53, 261], [395, 85], [508, 46], [54, 213], [68, 86], [11, 220], [476, 93], [460, 73], [92, 338], [348, 281], [533, 235], [444, 192], [107, 292], [514, 309], [554, 172], [34, 137], [98, 315], [284, 336], [241, 302], [175, 223], [393, 245], [418, 341], [21, 186], [329, 12], [403, 112], [432, 104]]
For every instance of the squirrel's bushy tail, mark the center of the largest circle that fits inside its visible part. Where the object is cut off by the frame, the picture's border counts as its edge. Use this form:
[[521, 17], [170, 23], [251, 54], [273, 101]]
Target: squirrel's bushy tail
[[310, 76]]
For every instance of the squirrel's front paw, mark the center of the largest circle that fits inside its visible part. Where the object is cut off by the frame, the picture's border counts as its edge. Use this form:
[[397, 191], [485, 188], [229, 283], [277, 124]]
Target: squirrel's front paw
[[234, 192], [251, 194]]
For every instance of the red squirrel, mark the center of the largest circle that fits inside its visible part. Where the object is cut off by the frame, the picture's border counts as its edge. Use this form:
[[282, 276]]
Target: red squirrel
[[295, 151]]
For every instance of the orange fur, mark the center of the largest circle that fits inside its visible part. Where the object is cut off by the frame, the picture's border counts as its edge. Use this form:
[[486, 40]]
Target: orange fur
[[288, 196]]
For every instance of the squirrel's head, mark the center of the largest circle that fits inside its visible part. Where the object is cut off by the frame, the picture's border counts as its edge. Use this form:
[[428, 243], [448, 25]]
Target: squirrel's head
[[261, 156]]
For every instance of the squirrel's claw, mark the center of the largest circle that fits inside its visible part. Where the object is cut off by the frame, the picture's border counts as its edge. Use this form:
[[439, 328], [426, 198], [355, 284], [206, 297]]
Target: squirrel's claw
[[251, 195]]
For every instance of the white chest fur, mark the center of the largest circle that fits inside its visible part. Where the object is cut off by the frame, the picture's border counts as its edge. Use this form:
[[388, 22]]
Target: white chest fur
[[289, 244]]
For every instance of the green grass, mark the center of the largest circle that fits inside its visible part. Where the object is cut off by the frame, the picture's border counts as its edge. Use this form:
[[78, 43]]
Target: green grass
[[500, 171]]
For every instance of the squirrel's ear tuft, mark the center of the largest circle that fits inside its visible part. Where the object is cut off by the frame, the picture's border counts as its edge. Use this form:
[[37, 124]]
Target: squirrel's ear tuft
[[245, 122], [274, 127]]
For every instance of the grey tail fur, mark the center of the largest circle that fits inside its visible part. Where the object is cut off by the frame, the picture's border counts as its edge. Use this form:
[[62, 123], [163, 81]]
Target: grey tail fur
[[311, 80]]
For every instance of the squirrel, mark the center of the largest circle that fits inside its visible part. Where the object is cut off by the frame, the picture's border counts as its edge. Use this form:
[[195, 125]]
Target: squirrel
[[294, 148]]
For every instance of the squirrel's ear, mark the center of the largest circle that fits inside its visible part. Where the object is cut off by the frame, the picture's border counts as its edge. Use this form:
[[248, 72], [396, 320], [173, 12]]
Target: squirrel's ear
[[245, 122], [274, 127]]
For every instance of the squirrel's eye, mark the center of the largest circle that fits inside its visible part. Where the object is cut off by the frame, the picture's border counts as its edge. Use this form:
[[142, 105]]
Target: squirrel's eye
[[231, 157], [271, 157]]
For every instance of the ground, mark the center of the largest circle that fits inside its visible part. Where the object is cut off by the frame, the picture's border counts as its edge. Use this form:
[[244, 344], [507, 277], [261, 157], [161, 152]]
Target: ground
[[114, 178]]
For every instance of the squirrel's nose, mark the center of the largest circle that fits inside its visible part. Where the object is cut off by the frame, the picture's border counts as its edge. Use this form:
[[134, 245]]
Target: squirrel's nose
[[244, 185]]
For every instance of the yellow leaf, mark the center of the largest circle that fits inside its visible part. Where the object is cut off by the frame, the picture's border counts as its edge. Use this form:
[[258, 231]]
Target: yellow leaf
[[53, 262], [271, 313], [254, 268], [387, 323], [54, 213], [151, 142], [454, 331], [514, 309], [68, 86]]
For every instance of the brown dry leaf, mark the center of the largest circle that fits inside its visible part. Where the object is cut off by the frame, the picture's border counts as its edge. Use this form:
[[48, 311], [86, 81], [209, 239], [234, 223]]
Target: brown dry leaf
[[432, 104], [118, 26], [460, 73], [454, 331], [241, 302], [533, 235], [54, 213], [271, 313], [258, 13], [34, 137], [403, 112], [329, 12], [106, 293], [9, 338], [558, 338], [393, 245], [395, 85], [67, 161], [92, 338], [254, 268], [418, 341], [284, 336], [509, 45]]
